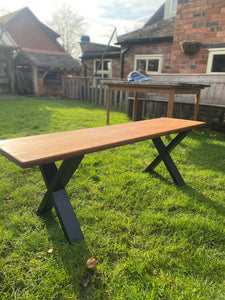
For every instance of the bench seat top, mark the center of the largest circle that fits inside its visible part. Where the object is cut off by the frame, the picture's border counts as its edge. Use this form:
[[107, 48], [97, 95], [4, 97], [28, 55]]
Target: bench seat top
[[37, 150]]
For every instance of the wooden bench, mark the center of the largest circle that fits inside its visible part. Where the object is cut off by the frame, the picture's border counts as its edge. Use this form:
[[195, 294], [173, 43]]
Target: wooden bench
[[71, 146]]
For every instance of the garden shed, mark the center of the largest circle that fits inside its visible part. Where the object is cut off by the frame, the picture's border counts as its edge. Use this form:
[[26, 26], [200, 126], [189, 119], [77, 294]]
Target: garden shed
[[41, 61], [7, 49], [41, 73]]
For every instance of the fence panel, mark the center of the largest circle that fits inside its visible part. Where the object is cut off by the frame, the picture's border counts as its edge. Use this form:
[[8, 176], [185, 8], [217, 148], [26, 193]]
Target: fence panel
[[212, 102]]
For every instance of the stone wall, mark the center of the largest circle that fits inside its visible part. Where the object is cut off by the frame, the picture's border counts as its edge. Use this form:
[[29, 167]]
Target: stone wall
[[197, 21]]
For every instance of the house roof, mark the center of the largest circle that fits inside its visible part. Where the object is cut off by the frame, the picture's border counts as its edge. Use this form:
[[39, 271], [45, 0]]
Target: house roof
[[6, 48], [155, 29], [8, 20], [94, 50], [159, 31], [48, 60], [158, 16]]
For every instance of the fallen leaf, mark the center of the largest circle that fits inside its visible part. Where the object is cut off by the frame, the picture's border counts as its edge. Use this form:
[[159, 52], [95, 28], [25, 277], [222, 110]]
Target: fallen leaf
[[84, 282], [50, 250], [91, 263]]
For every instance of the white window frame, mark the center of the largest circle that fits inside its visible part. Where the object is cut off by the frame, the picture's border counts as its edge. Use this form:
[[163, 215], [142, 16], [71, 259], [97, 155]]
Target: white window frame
[[147, 57], [103, 72], [212, 52], [171, 7]]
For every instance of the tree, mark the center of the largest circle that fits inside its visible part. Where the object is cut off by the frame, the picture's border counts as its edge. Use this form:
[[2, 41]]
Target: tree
[[71, 26]]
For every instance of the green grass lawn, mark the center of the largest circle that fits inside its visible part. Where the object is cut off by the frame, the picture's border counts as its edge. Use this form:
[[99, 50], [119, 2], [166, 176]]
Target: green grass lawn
[[151, 239]]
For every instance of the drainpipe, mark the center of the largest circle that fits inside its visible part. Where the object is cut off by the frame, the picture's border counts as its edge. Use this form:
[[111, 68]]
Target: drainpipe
[[122, 60]]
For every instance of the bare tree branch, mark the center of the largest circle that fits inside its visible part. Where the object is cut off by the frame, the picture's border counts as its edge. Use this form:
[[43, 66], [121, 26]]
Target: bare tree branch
[[70, 25]]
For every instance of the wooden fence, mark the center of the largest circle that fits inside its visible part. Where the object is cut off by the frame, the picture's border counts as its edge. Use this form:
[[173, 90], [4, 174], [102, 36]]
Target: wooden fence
[[92, 90], [212, 102]]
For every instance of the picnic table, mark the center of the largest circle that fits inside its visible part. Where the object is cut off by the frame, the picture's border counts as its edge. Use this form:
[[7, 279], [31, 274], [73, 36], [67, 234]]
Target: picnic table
[[155, 87], [71, 146]]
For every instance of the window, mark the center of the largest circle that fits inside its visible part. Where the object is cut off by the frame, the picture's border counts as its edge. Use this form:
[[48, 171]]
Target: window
[[170, 9], [103, 68], [173, 6], [52, 79], [216, 61], [148, 64]]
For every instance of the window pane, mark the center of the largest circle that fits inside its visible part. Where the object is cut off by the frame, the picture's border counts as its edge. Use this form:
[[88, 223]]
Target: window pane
[[174, 5], [141, 65], [218, 64], [97, 65], [106, 65], [153, 65]]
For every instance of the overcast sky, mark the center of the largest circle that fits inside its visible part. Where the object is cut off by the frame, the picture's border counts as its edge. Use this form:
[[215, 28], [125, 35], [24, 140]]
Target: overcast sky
[[101, 16]]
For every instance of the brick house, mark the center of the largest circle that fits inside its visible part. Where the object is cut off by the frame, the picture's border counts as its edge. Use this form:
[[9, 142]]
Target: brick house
[[184, 41], [183, 36], [149, 49], [41, 61], [100, 60], [203, 22], [153, 42]]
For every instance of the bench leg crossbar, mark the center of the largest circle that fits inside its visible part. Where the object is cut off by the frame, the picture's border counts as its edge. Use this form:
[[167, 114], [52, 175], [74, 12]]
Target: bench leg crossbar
[[166, 158], [56, 181]]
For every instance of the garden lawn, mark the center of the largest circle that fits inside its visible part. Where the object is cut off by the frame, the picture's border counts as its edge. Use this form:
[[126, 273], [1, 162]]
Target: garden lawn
[[150, 238]]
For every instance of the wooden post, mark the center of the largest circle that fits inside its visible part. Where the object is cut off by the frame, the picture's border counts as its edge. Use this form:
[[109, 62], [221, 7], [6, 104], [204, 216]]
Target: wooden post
[[100, 92], [11, 73], [35, 80], [170, 108], [105, 95], [121, 99], [170, 104], [197, 99], [63, 87], [134, 115], [108, 105]]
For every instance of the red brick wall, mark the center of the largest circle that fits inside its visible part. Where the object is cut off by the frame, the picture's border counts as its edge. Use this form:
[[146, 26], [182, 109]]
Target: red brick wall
[[116, 68], [147, 49], [28, 34], [50, 91], [199, 21], [51, 88]]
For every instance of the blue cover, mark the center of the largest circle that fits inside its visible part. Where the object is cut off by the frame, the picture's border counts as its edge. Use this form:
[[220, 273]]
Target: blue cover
[[137, 76]]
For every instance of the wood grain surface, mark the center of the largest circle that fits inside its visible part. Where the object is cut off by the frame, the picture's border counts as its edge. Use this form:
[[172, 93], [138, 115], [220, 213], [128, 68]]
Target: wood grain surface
[[41, 149]]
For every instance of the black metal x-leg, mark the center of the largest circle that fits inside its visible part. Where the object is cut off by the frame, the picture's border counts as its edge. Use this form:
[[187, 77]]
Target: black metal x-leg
[[166, 158], [56, 196], [57, 179]]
